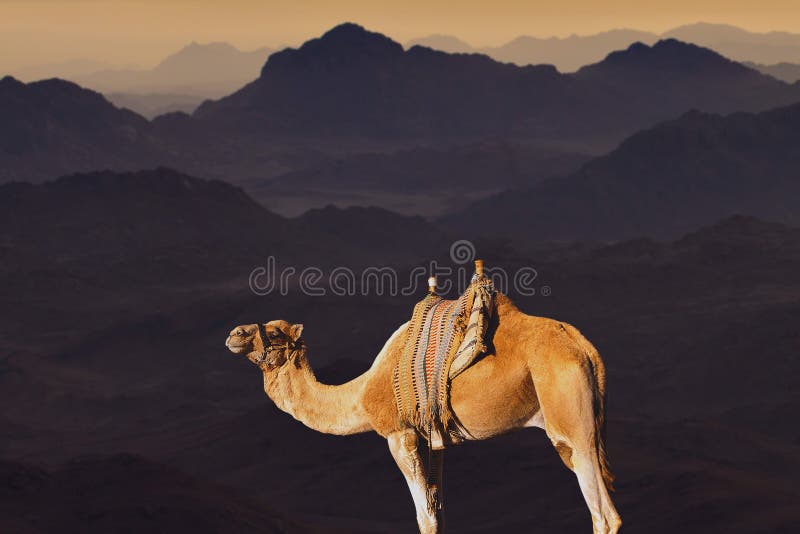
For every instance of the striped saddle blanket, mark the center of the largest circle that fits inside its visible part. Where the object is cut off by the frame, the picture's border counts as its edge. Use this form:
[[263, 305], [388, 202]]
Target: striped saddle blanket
[[444, 338]]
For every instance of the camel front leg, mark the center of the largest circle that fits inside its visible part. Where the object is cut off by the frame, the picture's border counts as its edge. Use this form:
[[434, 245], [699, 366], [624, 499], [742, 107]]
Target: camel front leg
[[403, 446]]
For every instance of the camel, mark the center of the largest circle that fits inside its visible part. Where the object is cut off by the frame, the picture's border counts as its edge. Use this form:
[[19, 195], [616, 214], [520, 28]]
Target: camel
[[541, 372]]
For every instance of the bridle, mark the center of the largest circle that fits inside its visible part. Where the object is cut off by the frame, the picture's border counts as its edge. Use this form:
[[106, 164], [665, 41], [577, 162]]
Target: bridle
[[267, 348]]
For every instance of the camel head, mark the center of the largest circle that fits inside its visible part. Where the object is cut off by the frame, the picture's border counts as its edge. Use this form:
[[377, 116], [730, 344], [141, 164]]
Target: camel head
[[272, 346]]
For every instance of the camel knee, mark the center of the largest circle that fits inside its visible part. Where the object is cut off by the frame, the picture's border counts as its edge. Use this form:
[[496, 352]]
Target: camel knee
[[565, 453], [614, 522], [606, 525], [611, 518]]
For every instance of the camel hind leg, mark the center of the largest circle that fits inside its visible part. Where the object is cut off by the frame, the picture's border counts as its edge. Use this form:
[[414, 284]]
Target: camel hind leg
[[569, 410]]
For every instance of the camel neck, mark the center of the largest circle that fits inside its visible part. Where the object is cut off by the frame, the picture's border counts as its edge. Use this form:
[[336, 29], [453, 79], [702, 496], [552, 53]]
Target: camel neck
[[324, 408]]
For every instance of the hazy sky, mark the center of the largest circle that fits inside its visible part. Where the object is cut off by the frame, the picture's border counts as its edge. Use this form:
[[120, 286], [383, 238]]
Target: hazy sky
[[144, 31]]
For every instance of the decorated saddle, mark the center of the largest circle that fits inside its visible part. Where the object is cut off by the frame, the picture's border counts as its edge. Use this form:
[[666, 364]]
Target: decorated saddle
[[444, 338]]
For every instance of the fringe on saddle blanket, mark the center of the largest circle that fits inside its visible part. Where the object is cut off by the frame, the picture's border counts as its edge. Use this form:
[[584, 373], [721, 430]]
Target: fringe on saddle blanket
[[444, 338]]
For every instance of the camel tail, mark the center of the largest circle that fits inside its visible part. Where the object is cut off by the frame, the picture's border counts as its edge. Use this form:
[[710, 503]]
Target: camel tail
[[600, 417], [599, 369]]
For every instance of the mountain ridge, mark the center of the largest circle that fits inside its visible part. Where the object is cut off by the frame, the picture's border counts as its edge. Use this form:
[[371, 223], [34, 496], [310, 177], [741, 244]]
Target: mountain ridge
[[385, 91], [661, 182], [208, 70], [575, 51], [52, 125]]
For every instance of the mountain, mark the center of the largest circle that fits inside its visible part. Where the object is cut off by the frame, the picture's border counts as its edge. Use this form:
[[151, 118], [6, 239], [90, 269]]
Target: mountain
[[67, 70], [660, 182], [53, 126], [214, 62], [152, 227], [567, 54], [739, 44], [682, 76], [445, 43], [787, 72], [354, 83], [351, 82], [570, 53], [208, 70], [169, 219], [345, 112], [155, 104]]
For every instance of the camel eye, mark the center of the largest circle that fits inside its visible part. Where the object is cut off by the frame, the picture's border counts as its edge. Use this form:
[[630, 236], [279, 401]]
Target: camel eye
[[239, 332]]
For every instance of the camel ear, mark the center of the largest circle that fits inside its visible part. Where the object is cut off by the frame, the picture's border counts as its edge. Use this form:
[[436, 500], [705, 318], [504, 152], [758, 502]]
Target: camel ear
[[296, 331]]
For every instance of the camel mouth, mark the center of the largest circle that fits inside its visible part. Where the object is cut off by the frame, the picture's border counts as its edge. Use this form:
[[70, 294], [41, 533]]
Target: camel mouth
[[236, 348]]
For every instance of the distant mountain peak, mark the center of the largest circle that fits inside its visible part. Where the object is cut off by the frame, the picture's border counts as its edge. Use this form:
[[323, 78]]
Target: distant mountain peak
[[670, 43], [9, 83], [725, 29], [353, 35], [219, 45], [196, 52], [346, 28], [663, 46], [445, 43], [342, 45], [55, 92], [667, 55]]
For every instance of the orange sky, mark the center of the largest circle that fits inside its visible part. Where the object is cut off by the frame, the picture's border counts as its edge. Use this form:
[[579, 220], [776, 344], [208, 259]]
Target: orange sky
[[144, 31]]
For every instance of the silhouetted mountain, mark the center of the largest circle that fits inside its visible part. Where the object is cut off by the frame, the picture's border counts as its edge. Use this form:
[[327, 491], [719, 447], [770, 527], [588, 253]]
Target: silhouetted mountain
[[739, 44], [166, 220], [207, 70], [570, 53], [154, 227], [66, 70], [53, 125], [351, 82], [567, 54], [359, 98], [672, 74], [445, 43], [354, 83], [787, 72], [221, 60], [661, 182], [155, 104]]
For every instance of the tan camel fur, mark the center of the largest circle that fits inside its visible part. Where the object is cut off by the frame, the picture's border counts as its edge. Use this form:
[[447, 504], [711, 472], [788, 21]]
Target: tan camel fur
[[539, 373]]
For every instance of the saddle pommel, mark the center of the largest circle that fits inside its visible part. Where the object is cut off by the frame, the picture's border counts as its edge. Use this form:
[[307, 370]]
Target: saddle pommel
[[479, 267]]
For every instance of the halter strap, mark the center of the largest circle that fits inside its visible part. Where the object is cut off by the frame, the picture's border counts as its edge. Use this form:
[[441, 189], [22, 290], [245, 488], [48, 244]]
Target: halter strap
[[267, 347]]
